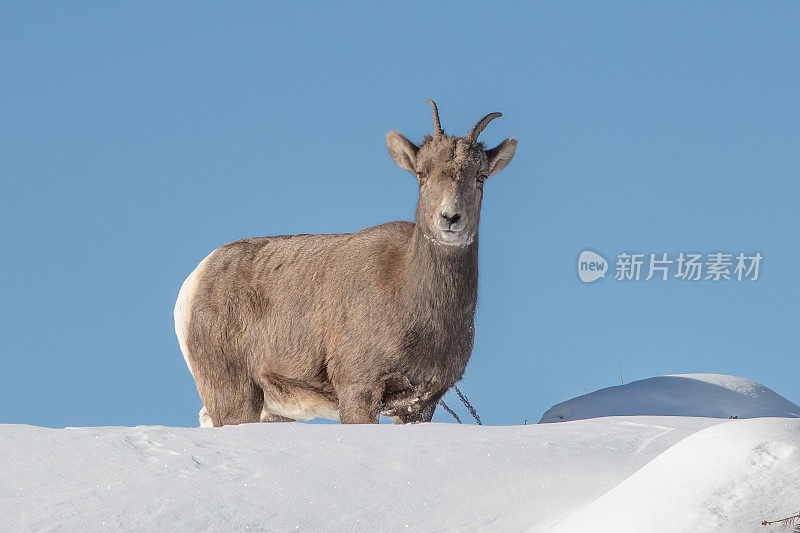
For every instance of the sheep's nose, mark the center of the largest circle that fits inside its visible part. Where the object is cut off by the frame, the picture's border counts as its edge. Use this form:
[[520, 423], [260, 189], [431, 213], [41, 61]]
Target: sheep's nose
[[451, 218]]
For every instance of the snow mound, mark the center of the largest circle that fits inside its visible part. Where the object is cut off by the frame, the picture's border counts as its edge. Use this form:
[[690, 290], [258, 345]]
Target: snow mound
[[728, 477], [701, 395]]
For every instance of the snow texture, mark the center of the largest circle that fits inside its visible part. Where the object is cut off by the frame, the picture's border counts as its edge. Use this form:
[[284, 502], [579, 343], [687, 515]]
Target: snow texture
[[621, 473]]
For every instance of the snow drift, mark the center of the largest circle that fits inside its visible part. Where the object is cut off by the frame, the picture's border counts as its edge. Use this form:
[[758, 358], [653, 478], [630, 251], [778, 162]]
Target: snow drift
[[722, 478], [706, 395]]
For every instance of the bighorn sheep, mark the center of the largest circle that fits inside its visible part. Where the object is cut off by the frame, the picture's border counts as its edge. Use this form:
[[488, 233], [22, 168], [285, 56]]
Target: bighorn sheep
[[346, 326]]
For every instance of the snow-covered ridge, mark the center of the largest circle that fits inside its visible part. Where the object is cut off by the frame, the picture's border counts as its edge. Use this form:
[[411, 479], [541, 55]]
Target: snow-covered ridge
[[622, 473]]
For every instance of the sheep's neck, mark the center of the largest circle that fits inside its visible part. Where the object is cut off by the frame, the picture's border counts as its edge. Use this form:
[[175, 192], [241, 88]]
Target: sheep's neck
[[441, 282]]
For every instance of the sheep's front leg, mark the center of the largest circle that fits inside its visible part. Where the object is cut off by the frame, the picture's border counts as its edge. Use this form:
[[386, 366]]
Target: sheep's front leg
[[423, 415], [359, 405]]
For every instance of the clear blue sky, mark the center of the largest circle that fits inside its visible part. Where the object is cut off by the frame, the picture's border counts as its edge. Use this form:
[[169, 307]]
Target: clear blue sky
[[136, 138]]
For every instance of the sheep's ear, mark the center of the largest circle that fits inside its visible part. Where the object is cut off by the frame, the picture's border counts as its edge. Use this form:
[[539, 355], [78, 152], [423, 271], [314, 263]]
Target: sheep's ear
[[403, 151], [500, 156]]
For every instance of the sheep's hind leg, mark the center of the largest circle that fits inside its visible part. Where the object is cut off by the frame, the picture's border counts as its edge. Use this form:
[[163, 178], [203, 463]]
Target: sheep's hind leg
[[205, 420], [230, 398]]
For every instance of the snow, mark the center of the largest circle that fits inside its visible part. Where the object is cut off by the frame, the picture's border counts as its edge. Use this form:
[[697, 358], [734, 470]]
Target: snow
[[727, 477], [706, 395], [614, 473]]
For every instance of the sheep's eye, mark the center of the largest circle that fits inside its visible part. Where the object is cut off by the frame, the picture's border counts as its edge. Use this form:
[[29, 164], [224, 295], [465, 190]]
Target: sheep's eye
[[420, 176], [482, 178]]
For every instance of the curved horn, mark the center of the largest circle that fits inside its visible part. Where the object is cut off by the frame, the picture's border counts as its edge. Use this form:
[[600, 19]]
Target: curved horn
[[437, 128], [481, 125]]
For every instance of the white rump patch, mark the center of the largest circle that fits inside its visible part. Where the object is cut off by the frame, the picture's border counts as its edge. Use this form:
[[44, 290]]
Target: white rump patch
[[183, 309]]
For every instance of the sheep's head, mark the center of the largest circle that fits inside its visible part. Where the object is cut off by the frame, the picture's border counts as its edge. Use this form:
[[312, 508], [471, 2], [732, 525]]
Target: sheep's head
[[451, 172]]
